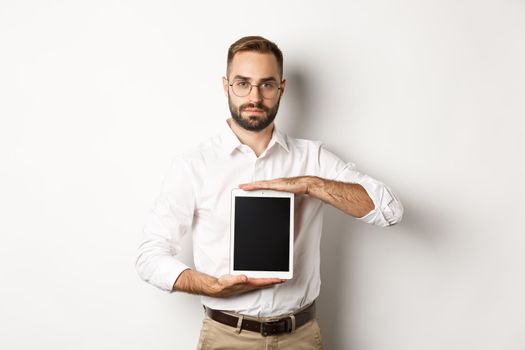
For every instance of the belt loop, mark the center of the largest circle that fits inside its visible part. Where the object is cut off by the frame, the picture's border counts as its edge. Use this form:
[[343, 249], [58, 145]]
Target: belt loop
[[292, 317], [239, 324]]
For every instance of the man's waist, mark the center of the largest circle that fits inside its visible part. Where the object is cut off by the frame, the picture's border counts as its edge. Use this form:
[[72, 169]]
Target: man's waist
[[265, 325], [256, 310]]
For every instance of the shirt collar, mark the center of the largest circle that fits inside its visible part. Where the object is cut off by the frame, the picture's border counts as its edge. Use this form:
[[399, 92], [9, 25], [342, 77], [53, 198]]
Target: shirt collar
[[230, 142]]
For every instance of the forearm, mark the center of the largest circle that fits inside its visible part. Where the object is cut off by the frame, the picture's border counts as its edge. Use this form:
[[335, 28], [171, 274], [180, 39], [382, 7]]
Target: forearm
[[195, 282], [348, 197]]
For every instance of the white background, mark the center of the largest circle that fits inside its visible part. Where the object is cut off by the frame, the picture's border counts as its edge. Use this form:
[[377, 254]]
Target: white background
[[428, 96]]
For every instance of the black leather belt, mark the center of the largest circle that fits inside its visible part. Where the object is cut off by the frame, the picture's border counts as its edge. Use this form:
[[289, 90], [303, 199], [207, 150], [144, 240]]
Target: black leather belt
[[282, 325]]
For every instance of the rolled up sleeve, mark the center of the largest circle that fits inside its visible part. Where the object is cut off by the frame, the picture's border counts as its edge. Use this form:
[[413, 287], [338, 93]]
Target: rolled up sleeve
[[166, 223], [388, 209]]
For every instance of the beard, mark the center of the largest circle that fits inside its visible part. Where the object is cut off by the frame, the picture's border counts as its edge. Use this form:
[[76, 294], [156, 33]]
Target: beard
[[253, 122]]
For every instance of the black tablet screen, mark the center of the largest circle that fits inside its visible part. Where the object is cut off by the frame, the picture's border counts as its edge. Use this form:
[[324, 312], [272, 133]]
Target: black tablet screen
[[262, 234]]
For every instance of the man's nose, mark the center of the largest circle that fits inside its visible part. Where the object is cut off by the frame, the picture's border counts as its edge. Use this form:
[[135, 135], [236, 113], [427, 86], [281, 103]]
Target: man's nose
[[255, 94]]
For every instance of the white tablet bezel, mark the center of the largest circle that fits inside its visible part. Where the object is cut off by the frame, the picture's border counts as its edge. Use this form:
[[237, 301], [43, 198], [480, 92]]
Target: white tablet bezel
[[262, 193]]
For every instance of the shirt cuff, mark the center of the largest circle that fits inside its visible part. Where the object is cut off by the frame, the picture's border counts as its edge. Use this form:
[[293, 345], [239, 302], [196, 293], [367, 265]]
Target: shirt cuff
[[388, 209], [166, 272]]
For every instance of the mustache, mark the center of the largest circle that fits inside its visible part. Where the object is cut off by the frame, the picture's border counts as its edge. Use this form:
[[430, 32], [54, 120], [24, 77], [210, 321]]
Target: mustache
[[254, 105]]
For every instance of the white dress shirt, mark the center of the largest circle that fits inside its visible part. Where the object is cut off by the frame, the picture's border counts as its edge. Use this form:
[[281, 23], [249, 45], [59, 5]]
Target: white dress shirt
[[195, 198]]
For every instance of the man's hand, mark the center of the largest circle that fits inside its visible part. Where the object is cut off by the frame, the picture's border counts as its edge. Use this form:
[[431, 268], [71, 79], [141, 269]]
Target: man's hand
[[225, 286], [351, 198], [298, 185], [229, 285]]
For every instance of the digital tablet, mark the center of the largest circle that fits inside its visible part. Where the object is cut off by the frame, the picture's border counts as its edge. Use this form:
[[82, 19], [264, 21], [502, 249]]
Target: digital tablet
[[262, 233]]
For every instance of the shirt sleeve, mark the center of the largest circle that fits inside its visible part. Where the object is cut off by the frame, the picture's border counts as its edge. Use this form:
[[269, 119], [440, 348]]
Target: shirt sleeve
[[388, 209], [166, 223]]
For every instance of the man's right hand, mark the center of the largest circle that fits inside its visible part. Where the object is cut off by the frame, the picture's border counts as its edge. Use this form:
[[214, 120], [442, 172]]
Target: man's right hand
[[229, 285], [225, 286]]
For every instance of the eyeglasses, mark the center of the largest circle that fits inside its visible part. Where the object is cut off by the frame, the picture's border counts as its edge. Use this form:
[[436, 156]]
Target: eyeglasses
[[242, 88]]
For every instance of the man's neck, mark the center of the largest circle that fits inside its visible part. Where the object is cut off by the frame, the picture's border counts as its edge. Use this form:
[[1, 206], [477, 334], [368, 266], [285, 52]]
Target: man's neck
[[256, 140]]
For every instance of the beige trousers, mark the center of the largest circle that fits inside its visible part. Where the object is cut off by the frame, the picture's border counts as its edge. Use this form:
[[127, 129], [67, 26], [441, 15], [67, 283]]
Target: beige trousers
[[218, 336]]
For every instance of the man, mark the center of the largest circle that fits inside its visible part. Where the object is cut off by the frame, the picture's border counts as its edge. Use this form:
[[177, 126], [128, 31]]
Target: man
[[250, 153]]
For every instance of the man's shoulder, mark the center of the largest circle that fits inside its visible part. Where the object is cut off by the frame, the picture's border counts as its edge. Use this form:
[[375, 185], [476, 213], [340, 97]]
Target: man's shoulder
[[303, 144]]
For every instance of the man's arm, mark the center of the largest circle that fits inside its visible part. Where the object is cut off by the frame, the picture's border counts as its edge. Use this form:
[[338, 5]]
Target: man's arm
[[194, 282], [168, 221], [349, 197]]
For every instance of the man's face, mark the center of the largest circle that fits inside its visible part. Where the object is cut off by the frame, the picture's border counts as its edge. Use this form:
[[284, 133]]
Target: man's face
[[253, 112]]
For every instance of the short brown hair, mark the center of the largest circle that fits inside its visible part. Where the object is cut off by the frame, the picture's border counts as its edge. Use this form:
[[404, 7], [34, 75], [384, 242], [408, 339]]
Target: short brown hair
[[256, 44]]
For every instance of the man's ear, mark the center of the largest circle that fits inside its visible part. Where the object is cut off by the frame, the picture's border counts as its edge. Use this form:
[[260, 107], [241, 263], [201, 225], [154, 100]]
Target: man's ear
[[283, 85], [225, 86]]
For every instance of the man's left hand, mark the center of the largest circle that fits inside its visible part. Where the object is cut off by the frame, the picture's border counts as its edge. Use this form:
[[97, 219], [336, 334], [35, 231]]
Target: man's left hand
[[351, 198], [298, 185]]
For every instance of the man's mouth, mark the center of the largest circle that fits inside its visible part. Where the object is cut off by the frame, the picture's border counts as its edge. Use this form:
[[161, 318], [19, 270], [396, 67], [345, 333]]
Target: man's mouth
[[253, 110]]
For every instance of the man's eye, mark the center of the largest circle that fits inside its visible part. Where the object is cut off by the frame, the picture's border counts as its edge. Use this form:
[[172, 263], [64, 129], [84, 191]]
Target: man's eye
[[267, 85], [242, 84]]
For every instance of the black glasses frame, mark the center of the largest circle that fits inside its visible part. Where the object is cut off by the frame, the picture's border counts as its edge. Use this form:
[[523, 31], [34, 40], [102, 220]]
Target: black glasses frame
[[251, 87]]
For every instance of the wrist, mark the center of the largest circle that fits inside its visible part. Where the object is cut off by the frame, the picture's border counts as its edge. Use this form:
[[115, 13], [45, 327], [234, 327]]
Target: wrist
[[213, 287], [195, 282], [313, 185]]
